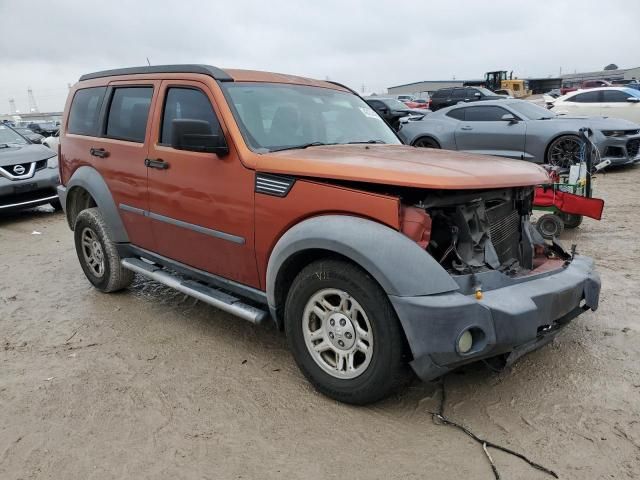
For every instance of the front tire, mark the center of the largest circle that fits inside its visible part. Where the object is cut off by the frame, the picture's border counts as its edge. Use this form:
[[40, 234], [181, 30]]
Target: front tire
[[97, 253], [344, 334], [564, 151], [426, 142]]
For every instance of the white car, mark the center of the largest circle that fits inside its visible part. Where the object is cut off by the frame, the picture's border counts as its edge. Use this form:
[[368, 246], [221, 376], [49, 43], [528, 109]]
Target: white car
[[615, 102], [52, 141]]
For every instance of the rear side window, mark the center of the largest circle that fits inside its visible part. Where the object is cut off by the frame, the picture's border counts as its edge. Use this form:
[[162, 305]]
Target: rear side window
[[459, 93], [128, 113], [442, 93], [484, 114], [186, 103], [457, 113], [587, 97], [85, 110]]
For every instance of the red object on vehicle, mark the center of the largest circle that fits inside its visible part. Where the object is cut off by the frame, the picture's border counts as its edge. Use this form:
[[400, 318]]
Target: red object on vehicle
[[415, 223], [547, 196]]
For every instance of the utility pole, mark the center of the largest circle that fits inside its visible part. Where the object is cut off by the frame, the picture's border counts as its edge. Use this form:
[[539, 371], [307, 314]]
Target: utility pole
[[33, 106], [12, 106]]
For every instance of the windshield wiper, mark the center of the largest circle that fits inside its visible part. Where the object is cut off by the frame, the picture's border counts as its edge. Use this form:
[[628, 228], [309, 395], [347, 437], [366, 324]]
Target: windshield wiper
[[367, 141], [302, 146]]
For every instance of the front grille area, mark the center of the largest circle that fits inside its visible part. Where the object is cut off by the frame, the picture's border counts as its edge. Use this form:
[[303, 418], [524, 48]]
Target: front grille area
[[504, 229], [8, 170], [633, 146]]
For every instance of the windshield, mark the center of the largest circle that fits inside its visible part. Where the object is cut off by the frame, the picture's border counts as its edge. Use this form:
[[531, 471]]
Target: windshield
[[274, 116], [47, 125], [8, 136], [485, 91], [394, 104], [632, 92], [531, 111]]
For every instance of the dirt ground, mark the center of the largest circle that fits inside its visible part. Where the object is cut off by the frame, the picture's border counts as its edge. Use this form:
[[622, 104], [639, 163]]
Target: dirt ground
[[151, 384]]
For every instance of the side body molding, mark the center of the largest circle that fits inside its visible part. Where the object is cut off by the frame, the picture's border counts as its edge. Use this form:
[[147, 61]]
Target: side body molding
[[89, 179], [397, 263]]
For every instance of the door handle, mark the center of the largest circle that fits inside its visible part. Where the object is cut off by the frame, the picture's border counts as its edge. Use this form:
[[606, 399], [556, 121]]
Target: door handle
[[466, 128], [156, 163], [99, 152]]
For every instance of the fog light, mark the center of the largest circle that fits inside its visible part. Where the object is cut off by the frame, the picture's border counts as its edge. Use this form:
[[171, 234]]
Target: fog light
[[465, 342]]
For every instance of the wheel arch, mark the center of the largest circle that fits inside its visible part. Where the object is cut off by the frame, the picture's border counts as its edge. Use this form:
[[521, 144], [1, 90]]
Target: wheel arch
[[554, 138], [426, 135], [87, 188], [394, 261]]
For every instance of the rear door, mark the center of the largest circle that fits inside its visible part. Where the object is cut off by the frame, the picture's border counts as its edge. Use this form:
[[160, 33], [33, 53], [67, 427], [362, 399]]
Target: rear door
[[483, 131], [200, 204]]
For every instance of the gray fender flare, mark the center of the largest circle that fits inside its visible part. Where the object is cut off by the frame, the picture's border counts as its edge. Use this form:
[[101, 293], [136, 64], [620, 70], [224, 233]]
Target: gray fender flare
[[396, 262], [89, 179]]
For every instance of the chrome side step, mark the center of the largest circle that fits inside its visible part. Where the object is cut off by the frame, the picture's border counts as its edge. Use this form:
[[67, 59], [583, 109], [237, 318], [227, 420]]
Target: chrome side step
[[217, 298]]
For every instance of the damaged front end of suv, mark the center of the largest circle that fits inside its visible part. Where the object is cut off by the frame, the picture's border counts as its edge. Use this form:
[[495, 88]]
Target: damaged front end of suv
[[515, 290]]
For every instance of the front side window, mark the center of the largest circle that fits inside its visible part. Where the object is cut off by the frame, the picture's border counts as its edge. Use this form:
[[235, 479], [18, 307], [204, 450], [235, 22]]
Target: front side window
[[484, 114], [85, 110], [128, 113], [274, 116], [615, 96], [186, 103]]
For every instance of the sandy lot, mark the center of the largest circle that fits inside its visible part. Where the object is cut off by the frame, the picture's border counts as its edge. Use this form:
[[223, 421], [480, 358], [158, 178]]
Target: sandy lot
[[152, 384]]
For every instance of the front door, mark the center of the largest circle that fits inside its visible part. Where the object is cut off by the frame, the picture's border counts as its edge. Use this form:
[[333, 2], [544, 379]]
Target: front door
[[483, 131], [200, 204]]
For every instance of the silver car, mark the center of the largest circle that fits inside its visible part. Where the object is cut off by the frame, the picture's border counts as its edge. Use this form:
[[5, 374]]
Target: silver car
[[521, 130]]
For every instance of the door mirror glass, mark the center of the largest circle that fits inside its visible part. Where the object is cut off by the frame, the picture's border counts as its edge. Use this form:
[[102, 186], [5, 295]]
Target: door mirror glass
[[509, 117], [197, 136], [477, 94]]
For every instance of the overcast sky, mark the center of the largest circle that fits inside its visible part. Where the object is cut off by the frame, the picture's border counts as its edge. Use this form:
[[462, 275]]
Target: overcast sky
[[48, 44]]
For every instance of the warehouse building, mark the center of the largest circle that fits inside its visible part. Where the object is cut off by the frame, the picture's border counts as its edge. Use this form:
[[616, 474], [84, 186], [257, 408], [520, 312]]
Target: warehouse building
[[420, 88], [618, 75]]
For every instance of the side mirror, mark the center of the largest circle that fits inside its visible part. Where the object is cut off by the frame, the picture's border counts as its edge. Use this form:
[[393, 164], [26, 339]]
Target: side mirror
[[509, 117], [197, 136], [633, 99], [477, 94]]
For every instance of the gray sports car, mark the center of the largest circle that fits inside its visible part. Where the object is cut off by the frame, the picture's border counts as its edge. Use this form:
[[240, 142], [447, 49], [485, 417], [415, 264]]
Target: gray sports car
[[521, 130]]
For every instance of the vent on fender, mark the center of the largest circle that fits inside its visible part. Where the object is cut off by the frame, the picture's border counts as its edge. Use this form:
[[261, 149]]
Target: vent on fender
[[276, 185]]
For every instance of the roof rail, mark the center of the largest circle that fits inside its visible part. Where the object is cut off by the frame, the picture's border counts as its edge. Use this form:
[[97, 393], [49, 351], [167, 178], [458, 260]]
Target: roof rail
[[214, 72]]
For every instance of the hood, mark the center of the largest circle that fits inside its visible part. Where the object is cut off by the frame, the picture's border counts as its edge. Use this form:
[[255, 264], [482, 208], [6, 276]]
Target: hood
[[24, 154], [598, 123], [403, 165]]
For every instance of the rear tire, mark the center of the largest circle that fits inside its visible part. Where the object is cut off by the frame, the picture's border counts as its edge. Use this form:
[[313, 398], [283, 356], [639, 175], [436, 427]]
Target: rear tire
[[97, 253], [57, 206], [550, 226], [426, 142], [344, 334]]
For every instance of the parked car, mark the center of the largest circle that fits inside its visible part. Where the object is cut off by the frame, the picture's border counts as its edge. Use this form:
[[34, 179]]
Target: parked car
[[43, 128], [32, 136], [417, 103], [584, 85], [28, 173], [393, 110], [405, 98], [616, 102], [53, 141], [272, 195], [445, 97], [521, 130]]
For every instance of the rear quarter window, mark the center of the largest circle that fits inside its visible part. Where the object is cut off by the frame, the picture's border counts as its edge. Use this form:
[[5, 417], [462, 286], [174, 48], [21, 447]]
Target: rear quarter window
[[85, 110], [457, 113]]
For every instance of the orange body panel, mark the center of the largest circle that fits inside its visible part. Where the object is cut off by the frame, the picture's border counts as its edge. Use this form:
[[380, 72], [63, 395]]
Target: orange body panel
[[218, 192]]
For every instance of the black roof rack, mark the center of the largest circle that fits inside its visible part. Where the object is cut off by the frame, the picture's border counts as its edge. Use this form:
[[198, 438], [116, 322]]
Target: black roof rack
[[213, 72]]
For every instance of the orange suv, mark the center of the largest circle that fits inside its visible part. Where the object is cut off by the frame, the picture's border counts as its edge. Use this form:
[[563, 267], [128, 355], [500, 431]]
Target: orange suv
[[281, 197]]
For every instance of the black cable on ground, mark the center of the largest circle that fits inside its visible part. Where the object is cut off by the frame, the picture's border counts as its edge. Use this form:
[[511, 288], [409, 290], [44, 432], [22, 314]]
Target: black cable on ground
[[439, 418]]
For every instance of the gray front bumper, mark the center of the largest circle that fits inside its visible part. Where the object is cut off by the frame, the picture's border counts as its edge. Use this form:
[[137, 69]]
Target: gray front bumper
[[519, 316]]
